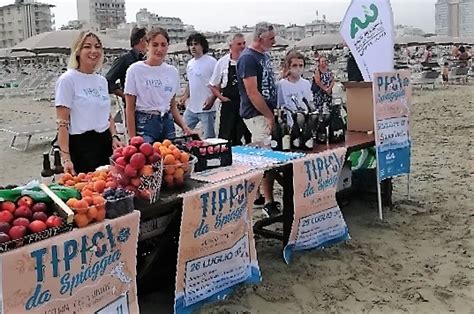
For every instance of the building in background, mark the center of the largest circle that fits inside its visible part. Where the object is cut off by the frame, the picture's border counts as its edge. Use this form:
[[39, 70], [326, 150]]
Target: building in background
[[102, 14], [23, 19], [321, 27], [177, 30], [295, 32], [454, 18]]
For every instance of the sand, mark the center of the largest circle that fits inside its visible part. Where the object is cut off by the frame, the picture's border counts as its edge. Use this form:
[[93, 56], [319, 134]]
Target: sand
[[419, 260]]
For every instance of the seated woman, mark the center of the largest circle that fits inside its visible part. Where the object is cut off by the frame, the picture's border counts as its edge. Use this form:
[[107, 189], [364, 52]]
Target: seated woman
[[150, 90], [324, 79], [86, 131]]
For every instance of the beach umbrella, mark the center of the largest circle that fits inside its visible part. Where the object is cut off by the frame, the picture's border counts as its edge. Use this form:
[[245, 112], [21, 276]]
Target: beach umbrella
[[220, 46], [413, 40], [464, 40], [178, 48], [321, 41], [61, 42], [442, 40]]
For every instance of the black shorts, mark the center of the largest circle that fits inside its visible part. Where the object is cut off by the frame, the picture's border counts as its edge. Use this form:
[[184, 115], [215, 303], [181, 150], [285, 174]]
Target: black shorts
[[445, 78], [90, 150]]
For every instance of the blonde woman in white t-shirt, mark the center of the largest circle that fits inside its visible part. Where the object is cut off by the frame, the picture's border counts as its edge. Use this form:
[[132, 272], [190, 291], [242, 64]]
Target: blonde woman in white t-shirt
[[86, 131], [150, 90]]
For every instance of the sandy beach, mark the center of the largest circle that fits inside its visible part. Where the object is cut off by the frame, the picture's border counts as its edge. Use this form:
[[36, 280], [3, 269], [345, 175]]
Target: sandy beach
[[419, 260]]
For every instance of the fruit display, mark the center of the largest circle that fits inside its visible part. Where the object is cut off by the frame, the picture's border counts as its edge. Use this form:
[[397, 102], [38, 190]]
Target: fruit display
[[27, 220], [177, 164], [137, 168], [87, 210], [119, 202], [89, 183]]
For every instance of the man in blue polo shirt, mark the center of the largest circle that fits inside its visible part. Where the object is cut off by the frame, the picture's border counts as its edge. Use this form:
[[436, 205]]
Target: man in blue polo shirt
[[258, 96]]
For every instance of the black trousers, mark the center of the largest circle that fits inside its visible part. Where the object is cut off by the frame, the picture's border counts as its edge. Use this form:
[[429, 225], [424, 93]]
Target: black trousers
[[232, 126], [90, 150]]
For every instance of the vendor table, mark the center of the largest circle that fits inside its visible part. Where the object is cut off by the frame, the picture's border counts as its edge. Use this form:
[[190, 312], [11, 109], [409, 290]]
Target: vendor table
[[354, 141], [159, 240]]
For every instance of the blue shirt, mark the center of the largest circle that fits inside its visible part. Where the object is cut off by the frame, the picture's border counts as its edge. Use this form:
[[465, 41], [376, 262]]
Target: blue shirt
[[253, 63]]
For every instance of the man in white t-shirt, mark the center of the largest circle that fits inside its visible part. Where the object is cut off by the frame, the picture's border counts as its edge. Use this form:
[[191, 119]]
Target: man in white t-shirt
[[200, 107]]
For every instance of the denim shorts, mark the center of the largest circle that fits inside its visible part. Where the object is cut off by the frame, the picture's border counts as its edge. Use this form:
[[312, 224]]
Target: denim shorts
[[154, 127]]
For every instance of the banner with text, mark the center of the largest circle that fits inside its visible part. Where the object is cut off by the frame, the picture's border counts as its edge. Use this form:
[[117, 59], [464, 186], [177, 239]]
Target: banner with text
[[87, 270], [216, 243], [368, 30], [392, 101], [317, 221]]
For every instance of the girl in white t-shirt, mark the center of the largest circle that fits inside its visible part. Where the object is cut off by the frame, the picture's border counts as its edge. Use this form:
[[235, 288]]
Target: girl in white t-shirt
[[86, 131], [150, 89], [292, 88]]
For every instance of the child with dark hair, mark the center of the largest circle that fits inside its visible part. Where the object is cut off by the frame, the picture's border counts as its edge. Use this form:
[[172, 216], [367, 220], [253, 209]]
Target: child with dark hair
[[445, 74]]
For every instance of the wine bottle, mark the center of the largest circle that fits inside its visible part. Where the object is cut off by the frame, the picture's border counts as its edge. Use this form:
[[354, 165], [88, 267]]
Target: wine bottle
[[295, 134], [276, 141], [285, 132], [58, 167], [308, 142], [309, 106], [337, 131], [47, 174]]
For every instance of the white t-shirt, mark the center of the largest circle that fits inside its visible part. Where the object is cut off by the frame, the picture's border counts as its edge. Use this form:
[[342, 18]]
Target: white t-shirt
[[154, 86], [299, 90], [87, 97], [199, 72], [221, 71]]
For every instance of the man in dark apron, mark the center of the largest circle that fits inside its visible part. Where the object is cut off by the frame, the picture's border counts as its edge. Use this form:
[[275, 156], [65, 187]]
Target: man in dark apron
[[224, 85]]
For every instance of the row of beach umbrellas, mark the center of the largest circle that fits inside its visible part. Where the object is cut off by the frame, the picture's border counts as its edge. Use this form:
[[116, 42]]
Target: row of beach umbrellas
[[61, 41]]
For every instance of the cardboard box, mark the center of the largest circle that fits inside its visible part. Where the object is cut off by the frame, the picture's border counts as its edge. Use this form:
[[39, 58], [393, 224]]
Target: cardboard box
[[360, 106]]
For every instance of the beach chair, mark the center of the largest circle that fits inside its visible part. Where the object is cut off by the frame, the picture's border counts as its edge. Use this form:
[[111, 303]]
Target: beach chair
[[426, 78], [459, 74], [28, 131]]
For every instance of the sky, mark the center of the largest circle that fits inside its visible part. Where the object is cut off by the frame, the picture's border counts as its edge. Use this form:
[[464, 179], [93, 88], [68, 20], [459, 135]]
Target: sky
[[219, 15]]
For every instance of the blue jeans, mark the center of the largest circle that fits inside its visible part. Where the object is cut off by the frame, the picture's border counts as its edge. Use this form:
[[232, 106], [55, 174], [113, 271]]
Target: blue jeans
[[154, 127], [207, 119]]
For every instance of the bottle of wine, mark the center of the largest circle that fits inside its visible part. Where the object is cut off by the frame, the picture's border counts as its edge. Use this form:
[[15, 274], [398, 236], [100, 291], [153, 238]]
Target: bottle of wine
[[58, 167], [296, 133], [285, 132], [307, 138], [321, 133], [47, 174], [276, 141], [337, 132]]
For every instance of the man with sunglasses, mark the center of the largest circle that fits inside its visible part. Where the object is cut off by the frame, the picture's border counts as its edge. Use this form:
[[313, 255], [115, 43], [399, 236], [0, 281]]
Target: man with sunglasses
[[225, 87], [258, 97], [121, 64]]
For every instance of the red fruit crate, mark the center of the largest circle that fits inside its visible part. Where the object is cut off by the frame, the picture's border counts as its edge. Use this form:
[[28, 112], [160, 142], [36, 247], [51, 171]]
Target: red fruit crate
[[209, 154], [212, 156], [35, 237]]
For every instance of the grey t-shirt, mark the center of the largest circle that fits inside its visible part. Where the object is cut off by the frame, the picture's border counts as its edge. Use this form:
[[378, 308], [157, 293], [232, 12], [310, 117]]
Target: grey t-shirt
[[253, 63]]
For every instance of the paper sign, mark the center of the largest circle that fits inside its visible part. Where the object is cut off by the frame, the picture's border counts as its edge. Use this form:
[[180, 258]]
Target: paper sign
[[317, 221], [216, 244], [367, 29], [87, 270], [392, 101]]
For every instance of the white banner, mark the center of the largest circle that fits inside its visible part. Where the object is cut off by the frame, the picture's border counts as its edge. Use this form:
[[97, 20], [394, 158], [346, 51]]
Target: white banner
[[367, 29]]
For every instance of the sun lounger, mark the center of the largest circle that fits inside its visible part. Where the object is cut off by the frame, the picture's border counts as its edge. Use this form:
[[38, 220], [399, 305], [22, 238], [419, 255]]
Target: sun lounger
[[28, 131], [426, 78], [459, 74]]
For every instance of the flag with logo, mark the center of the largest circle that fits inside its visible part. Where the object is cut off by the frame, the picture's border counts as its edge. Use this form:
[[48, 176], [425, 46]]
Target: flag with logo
[[367, 29]]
